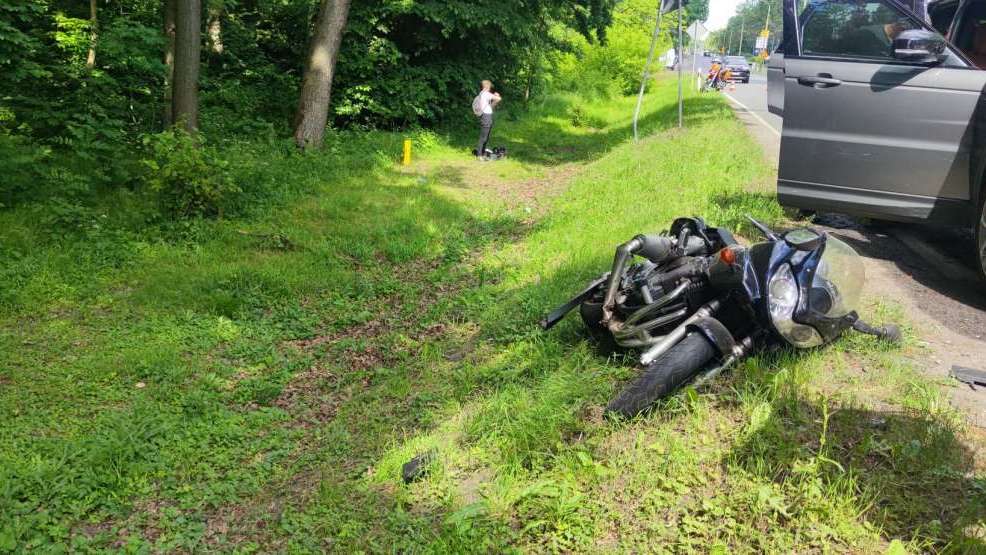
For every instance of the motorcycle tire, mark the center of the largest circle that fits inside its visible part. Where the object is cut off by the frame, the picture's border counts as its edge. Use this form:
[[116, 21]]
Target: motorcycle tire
[[664, 376]]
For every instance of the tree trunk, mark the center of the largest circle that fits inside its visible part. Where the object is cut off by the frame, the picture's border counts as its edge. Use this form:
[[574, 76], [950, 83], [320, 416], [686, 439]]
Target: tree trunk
[[215, 27], [188, 50], [170, 8], [93, 33], [316, 88]]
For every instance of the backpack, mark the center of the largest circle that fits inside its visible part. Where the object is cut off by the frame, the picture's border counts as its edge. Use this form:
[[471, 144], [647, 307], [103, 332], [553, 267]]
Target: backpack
[[477, 105]]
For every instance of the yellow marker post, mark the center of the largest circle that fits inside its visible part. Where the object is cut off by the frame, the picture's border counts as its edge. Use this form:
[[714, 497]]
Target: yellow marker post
[[407, 152]]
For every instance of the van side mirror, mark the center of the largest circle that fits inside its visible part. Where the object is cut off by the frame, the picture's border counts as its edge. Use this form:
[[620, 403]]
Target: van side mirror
[[919, 46]]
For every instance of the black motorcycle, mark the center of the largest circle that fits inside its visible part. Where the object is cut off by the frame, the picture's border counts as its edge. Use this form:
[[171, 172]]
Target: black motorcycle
[[695, 301]]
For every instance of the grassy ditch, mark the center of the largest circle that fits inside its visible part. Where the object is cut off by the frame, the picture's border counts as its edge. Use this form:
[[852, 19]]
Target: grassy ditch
[[256, 383]]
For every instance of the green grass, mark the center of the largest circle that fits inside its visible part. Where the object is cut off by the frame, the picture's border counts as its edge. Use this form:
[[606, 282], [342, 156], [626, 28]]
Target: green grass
[[257, 383]]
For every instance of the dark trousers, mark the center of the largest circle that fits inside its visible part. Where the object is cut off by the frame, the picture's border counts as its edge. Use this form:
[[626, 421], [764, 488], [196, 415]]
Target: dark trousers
[[485, 128]]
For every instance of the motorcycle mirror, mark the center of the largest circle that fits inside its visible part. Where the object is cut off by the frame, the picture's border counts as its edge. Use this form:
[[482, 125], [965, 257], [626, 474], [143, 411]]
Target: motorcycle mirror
[[804, 239], [763, 229]]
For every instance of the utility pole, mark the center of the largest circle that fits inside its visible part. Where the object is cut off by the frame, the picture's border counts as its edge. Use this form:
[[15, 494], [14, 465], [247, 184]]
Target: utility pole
[[739, 50], [729, 43], [681, 49], [643, 80], [693, 33]]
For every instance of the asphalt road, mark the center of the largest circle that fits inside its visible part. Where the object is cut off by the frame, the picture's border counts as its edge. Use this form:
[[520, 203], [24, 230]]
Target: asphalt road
[[751, 99], [928, 270]]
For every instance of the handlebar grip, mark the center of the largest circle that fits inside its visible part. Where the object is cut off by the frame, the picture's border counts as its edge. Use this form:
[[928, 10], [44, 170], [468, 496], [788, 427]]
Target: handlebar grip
[[889, 333]]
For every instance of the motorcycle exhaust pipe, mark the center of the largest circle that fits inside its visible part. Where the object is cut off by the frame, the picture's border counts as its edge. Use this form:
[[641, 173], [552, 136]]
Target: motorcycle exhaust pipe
[[679, 333], [655, 248], [623, 254], [639, 336], [663, 301]]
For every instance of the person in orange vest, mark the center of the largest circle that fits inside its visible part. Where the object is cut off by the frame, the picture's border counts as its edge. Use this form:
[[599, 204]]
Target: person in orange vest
[[713, 76]]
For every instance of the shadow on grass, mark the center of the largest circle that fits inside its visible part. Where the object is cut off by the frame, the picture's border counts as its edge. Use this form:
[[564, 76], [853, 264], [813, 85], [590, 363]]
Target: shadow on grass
[[555, 143], [908, 468], [351, 250]]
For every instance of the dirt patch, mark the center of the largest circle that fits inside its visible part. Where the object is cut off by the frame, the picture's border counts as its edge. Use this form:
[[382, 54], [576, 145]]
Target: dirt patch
[[483, 179], [90, 530], [470, 487], [535, 192], [237, 523]]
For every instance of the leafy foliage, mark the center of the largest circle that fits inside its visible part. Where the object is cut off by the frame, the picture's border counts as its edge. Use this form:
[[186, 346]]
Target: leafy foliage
[[615, 67], [189, 178], [402, 64]]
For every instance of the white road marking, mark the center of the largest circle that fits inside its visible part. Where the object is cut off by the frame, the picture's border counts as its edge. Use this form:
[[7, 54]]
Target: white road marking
[[752, 113]]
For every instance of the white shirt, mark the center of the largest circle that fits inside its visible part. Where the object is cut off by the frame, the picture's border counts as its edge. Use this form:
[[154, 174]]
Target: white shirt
[[486, 102]]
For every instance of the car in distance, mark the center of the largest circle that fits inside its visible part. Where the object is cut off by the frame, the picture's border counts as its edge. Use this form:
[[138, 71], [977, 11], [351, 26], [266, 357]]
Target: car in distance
[[883, 116], [739, 67]]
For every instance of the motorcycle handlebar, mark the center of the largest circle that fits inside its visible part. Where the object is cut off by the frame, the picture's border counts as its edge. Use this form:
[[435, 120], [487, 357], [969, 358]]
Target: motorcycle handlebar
[[889, 333]]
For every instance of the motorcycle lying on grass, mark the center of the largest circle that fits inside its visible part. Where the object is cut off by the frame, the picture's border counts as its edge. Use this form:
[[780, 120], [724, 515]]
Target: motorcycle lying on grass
[[695, 302]]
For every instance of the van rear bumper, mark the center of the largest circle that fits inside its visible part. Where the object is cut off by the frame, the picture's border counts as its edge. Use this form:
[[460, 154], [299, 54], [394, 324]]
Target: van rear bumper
[[875, 204]]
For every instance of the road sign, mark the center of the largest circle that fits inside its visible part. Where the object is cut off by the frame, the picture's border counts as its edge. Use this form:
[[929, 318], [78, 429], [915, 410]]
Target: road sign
[[697, 31], [762, 41]]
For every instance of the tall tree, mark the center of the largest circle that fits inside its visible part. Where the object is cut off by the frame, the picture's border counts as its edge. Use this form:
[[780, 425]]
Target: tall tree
[[93, 34], [170, 7], [188, 50], [316, 88], [215, 26]]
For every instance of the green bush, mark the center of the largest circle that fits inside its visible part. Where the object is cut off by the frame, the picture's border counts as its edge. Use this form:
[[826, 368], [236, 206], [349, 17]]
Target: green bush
[[189, 178], [604, 69], [19, 163]]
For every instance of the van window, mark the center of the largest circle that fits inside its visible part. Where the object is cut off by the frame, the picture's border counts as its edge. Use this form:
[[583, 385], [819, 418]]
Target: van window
[[941, 14], [853, 29], [969, 35]]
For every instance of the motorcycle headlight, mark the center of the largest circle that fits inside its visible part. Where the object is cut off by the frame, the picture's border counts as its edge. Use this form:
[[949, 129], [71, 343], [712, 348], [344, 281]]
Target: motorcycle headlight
[[782, 300]]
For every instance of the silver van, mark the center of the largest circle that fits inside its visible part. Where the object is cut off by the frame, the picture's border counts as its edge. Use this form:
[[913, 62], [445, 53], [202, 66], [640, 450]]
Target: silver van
[[884, 110]]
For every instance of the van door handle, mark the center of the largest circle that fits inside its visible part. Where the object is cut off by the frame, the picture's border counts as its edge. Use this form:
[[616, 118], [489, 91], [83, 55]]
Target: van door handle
[[821, 81]]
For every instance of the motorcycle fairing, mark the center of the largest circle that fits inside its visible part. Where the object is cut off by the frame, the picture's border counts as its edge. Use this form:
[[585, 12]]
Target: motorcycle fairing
[[804, 264]]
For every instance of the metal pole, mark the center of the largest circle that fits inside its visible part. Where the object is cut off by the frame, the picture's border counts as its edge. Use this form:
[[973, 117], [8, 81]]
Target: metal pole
[[739, 51], [643, 81], [694, 44], [681, 47]]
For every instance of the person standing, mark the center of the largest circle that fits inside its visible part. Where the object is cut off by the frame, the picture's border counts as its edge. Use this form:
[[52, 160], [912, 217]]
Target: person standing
[[483, 106]]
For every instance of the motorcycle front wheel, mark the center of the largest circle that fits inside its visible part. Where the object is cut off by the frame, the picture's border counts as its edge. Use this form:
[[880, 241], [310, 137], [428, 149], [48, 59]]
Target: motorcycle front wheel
[[664, 376]]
